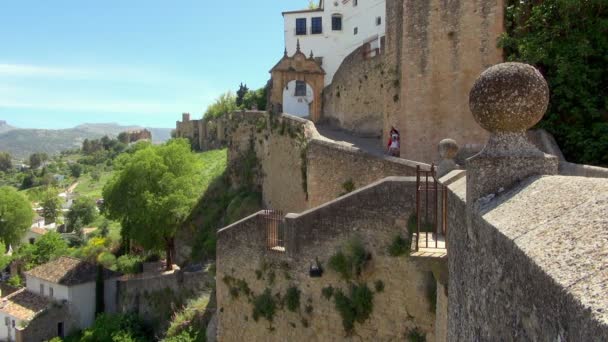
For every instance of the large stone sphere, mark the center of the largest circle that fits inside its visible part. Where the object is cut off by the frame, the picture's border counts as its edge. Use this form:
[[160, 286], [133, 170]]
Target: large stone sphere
[[509, 97], [448, 148]]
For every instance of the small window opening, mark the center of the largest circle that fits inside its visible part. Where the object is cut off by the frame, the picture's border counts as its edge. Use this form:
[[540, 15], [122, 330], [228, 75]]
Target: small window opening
[[316, 25], [336, 23], [300, 88], [300, 26]]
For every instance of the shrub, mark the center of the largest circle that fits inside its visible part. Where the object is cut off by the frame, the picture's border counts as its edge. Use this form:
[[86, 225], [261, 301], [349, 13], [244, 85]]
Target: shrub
[[379, 285], [117, 327], [14, 281], [107, 260], [351, 262], [129, 264], [357, 307], [327, 292], [415, 335], [264, 306], [400, 246], [292, 299]]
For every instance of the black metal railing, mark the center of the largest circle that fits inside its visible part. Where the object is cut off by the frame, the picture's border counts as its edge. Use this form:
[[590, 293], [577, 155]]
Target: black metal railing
[[431, 197]]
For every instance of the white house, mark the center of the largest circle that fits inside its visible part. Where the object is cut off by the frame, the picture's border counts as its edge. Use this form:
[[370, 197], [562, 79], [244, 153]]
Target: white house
[[66, 281], [18, 309], [73, 280], [32, 235], [334, 30]]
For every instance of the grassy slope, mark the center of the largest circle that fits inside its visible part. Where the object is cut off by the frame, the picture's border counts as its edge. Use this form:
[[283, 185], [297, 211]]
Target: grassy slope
[[90, 188]]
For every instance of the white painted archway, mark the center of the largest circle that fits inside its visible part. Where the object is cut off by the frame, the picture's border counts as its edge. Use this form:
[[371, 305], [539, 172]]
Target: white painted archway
[[297, 105]]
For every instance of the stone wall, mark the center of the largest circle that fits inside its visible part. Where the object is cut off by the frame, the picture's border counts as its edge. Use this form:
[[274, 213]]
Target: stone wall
[[155, 296], [365, 214], [194, 130], [528, 265], [45, 325], [333, 167], [356, 97], [446, 45], [296, 168], [279, 146]]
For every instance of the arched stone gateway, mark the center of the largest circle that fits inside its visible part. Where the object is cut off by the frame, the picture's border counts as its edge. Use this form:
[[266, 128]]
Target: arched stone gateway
[[297, 83]]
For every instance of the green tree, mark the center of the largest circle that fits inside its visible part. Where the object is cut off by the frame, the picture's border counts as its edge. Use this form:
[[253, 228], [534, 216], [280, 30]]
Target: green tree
[[36, 159], [257, 97], [16, 215], [152, 192], [48, 247], [104, 228], [225, 103], [76, 170], [240, 94], [6, 162], [83, 209], [567, 40], [51, 205]]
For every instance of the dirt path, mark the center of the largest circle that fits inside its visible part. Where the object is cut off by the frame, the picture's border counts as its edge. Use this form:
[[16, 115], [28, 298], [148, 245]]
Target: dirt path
[[72, 187]]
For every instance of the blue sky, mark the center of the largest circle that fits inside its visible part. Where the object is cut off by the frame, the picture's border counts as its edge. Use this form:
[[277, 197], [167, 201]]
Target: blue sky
[[138, 62]]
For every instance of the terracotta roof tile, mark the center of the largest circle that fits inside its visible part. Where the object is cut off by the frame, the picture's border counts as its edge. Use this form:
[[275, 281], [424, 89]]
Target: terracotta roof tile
[[23, 304], [68, 271]]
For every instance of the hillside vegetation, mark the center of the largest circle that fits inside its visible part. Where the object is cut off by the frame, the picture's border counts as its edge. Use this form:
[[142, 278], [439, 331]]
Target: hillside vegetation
[[20, 143]]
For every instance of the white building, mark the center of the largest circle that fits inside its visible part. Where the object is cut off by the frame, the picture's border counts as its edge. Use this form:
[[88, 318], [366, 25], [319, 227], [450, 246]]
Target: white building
[[72, 280], [68, 281], [33, 234], [17, 309], [335, 29]]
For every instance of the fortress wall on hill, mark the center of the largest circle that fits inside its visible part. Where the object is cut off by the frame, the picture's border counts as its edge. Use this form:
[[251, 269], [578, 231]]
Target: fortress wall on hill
[[297, 168], [318, 234], [332, 165]]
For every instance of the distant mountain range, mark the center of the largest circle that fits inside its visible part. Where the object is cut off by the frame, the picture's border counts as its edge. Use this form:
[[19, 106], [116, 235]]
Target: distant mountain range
[[20, 143]]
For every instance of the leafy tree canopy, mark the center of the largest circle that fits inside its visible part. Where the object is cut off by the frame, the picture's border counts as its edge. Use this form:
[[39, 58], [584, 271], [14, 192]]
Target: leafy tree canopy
[[83, 209], [568, 41], [153, 191], [36, 159], [51, 205], [225, 103], [6, 162], [16, 215], [48, 247]]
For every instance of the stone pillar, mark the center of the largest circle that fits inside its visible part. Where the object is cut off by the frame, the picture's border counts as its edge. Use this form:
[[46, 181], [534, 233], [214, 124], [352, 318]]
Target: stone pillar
[[507, 100], [448, 148], [220, 130]]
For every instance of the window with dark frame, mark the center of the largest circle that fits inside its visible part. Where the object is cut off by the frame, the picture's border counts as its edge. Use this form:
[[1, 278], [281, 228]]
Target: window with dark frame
[[42, 289], [300, 88], [356, 30], [51, 292], [336, 23], [316, 25], [300, 26], [378, 21], [355, 2]]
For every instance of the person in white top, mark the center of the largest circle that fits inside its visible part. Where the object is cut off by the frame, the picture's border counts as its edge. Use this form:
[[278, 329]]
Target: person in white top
[[393, 147]]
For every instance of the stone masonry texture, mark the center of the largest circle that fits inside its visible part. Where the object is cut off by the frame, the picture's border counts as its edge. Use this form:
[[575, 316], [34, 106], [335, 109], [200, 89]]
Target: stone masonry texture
[[318, 234]]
